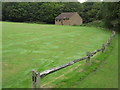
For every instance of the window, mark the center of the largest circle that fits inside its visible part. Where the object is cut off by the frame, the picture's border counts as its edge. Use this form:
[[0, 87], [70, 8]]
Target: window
[[57, 20], [67, 18]]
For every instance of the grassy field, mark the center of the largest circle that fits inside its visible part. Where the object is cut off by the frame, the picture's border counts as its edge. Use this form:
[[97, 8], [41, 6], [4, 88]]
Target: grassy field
[[42, 46], [106, 76]]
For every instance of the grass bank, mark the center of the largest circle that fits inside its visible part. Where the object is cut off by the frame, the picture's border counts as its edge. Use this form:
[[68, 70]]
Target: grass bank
[[106, 75]]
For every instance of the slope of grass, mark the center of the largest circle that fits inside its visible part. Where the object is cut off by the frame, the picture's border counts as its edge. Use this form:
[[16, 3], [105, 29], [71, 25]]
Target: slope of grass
[[106, 75], [40, 47]]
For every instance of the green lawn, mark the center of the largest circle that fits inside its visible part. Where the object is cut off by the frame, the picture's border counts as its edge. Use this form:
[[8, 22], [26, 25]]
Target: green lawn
[[107, 74], [42, 46]]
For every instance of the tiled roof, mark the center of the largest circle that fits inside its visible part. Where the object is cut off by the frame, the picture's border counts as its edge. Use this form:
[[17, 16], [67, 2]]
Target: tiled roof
[[65, 15]]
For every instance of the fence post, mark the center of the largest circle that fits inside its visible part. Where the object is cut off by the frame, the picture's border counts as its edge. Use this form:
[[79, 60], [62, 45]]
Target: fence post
[[35, 79], [108, 42], [88, 59], [111, 38], [103, 48], [114, 33]]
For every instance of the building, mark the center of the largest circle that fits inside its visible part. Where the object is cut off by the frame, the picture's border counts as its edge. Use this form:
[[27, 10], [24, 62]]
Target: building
[[68, 18]]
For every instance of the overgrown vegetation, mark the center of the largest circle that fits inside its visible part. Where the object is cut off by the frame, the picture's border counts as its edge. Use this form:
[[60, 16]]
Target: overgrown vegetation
[[111, 14], [94, 24]]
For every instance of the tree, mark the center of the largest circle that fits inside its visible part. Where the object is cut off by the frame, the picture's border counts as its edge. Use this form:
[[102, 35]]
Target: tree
[[111, 15], [91, 11], [48, 11]]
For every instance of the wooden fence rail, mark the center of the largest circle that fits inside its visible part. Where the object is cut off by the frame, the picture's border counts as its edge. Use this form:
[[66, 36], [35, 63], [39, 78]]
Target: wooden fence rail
[[36, 76]]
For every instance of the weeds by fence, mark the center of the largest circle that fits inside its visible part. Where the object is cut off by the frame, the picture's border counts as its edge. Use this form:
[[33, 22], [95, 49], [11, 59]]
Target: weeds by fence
[[36, 76]]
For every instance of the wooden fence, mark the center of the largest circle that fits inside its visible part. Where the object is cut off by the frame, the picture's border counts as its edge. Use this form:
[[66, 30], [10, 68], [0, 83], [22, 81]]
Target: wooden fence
[[37, 76]]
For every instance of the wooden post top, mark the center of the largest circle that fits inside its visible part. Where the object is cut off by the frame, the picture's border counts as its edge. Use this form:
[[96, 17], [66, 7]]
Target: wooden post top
[[34, 71]]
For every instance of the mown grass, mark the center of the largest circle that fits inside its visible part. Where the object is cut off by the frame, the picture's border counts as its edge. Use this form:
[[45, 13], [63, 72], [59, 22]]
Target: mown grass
[[106, 74], [101, 76], [42, 46]]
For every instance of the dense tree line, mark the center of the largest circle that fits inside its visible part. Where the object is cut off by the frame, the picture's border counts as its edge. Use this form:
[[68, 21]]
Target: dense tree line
[[47, 11], [111, 15]]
